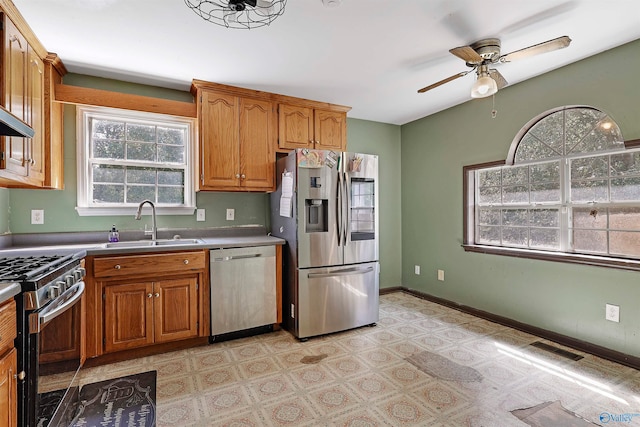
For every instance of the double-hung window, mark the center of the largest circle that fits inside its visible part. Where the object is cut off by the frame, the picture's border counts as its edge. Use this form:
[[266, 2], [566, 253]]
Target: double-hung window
[[568, 187], [125, 157]]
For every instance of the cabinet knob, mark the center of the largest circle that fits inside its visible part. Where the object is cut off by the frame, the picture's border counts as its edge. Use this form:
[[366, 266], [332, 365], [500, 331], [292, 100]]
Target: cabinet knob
[[186, 261], [156, 295], [32, 162], [117, 267], [237, 175], [243, 176], [21, 376], [149, 295]]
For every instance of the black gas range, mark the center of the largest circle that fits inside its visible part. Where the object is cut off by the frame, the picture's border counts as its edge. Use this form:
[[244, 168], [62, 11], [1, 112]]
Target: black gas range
[[48, 335]]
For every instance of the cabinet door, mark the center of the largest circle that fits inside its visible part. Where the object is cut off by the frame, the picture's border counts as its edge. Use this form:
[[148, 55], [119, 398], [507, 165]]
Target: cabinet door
[[8, 390], [128, 316], [175, 309], [219, 154], [330, 130], [296, 127], [35, 117], [256, 144], [15, 93]]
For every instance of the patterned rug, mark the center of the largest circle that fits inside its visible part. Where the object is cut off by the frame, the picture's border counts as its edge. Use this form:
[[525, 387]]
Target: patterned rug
[[443, 368], [551, 414], [125, 401]]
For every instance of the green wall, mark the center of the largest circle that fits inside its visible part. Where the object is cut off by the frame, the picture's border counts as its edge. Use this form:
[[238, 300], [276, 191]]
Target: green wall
[[250, 208], [565, 298]]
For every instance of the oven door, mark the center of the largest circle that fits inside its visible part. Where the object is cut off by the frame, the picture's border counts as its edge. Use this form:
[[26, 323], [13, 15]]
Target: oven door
[[55, 358]]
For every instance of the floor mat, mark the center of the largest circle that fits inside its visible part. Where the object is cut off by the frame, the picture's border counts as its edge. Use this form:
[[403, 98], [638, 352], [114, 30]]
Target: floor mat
[[550, 414], [443, 368], [120, 402]]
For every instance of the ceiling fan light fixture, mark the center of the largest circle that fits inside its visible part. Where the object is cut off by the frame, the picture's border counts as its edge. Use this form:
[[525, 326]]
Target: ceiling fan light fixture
[[240, 14], [483, 87]]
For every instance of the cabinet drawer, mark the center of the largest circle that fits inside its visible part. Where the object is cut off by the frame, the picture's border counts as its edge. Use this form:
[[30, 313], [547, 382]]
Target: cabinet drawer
[[136, 265], [7, 325]]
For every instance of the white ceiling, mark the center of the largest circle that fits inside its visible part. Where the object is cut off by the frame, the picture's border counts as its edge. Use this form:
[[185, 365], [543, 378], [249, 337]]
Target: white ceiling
[[372, 55]]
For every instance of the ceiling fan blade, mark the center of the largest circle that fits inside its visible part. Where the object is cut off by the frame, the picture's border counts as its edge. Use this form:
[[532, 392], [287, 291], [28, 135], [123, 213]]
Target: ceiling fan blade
[[500, 80], [536, 49], [443, 81], [467, 54]]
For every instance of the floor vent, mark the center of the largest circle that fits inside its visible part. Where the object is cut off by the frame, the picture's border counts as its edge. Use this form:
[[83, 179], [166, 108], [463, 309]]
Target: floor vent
[[555, 350]]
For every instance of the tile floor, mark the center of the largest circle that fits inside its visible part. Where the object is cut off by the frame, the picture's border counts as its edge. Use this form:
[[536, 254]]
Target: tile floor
[[364, 380]]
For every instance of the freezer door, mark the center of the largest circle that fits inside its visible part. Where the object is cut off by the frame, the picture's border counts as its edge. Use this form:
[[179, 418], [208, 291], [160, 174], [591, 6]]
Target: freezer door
[[361, 208], [317, 212], [337, 299]]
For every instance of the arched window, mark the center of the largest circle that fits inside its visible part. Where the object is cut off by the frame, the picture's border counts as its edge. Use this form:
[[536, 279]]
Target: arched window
[[568, 186]]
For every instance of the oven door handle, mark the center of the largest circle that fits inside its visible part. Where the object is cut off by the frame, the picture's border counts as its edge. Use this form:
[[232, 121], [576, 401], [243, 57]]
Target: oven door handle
[[38, 320]]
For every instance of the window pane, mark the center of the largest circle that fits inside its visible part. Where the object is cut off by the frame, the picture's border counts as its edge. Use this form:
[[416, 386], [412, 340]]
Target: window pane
[[545, 217], [515, 236], [531, 148], [546, 172], [138, 193], [625, 188], [104, 173], [489, 195], [108, 150], [515, 194], [578, 123], [594, 167], [489, 217], [141, 176], [489, 235], [625, 164], [107, 129], [589, 191], [141, 151], [515, 175], [591, 241], [170, 154], [545, 192], [624, 218], [625, 243], [589, 218], [173, 195], [515, 217], [545, 238], [142, 133], [489, 178], [169, 177], [170, 136], [108, 193], [550, 131]]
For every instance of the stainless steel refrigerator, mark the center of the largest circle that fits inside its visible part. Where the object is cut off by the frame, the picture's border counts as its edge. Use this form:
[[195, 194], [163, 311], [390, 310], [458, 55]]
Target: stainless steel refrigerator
[[326, 208]]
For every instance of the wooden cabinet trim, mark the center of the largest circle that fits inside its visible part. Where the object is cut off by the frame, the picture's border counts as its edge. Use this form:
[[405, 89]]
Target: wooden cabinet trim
[[104, 98]]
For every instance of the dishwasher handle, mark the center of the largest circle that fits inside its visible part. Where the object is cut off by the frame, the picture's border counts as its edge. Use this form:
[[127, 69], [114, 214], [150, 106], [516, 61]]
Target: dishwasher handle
[[346, 272], [232, 257]]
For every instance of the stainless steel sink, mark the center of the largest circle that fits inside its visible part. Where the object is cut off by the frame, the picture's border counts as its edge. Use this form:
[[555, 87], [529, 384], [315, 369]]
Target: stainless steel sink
[[147, 243]]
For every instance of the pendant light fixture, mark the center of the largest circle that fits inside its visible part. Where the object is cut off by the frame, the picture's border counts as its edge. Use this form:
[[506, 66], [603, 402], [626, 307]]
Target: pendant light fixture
[[245, 14], [484, 86]]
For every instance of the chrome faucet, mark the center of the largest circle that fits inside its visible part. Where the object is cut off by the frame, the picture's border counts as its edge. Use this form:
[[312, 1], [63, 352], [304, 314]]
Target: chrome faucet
[[154, 229]]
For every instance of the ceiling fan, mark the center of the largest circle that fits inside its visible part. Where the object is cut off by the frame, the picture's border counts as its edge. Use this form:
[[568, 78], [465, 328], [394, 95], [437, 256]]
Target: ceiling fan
[[483, 54]]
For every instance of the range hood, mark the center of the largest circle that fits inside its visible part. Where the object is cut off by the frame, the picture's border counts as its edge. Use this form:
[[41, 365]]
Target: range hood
[[10, 125]]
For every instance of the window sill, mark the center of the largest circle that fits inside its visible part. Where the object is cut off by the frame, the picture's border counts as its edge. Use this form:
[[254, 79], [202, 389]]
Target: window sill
[[593, 260], [131, 210]]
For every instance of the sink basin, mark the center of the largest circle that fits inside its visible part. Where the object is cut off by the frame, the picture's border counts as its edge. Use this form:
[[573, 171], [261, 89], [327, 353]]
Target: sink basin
[[147, 243]]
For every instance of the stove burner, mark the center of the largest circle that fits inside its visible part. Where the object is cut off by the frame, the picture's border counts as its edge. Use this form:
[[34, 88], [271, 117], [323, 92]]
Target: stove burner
[[23, 267]]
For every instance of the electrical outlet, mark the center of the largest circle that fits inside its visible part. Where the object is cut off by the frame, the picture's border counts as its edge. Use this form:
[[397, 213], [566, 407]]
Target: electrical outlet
[[441, 275], [416, 270], [231, 213], [200, 215], [612, 312], [37, 216]]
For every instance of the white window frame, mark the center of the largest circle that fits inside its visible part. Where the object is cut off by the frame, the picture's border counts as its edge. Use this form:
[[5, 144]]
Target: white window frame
[[85, 206]]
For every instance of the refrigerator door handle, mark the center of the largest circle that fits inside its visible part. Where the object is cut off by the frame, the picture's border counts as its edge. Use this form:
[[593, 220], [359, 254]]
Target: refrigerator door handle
[[339, 210], [346, 208], [346, 272]]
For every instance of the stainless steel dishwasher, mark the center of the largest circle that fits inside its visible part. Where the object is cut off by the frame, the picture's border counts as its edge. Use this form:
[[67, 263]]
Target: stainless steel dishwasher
[[243, 288]]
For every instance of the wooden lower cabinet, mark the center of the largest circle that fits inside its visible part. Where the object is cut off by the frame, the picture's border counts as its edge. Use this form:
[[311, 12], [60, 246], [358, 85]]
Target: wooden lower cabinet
[[8, 389], [144, 313], [144, 300]]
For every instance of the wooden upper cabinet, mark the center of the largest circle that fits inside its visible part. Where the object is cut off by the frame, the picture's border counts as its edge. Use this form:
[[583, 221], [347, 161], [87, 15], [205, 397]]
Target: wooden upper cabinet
[[306, 127], [28, 82], [237, 136]]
